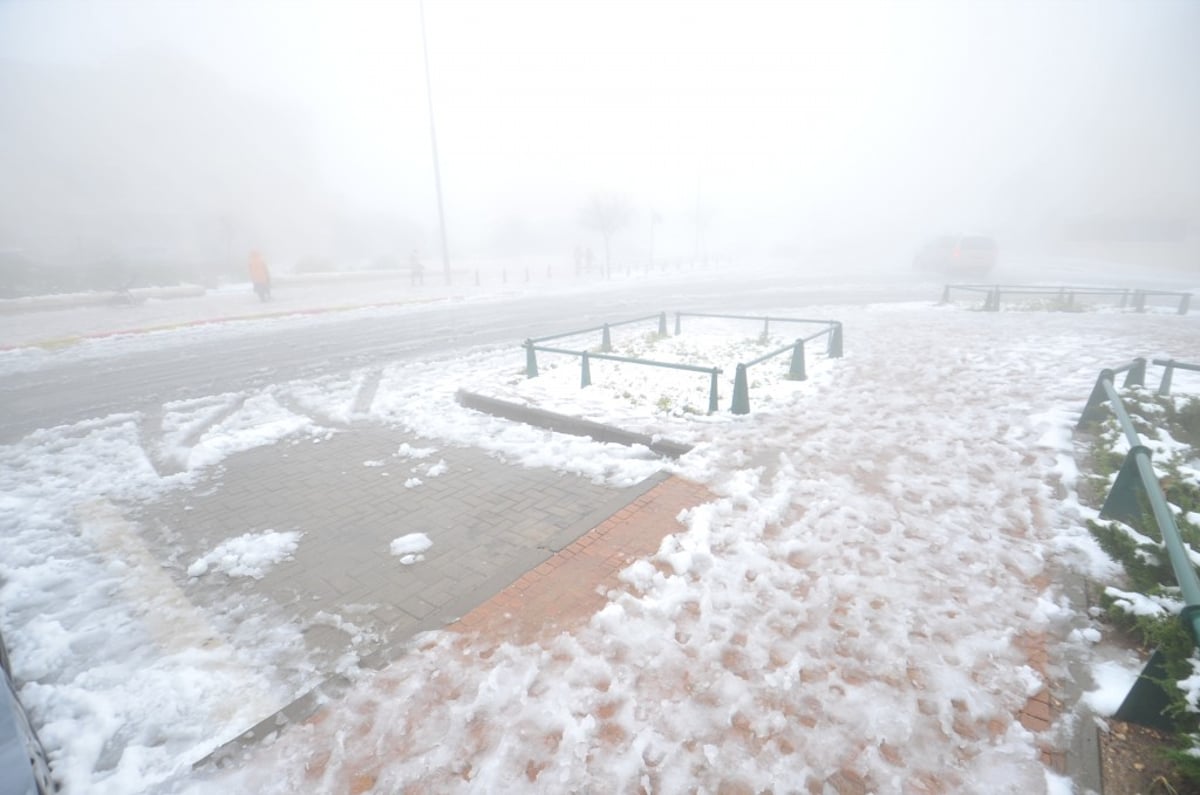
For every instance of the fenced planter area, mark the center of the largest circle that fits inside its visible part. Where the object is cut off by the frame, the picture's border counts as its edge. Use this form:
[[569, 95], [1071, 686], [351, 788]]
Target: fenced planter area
[[687, 372], [1066, 298]]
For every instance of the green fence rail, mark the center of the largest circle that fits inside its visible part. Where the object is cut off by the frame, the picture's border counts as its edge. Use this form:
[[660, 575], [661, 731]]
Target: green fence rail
[[1066, 295], [1136, 486], [1169, 367], [741, 399]]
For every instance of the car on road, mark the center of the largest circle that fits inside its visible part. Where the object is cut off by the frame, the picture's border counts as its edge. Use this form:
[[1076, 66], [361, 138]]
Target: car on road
[[23, 766], [963, 256]]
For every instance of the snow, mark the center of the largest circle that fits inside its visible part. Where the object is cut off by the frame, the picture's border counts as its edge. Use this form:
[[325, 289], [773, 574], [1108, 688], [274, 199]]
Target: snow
[[408, 547], [1113, 679], [248, 555], [852, 595]]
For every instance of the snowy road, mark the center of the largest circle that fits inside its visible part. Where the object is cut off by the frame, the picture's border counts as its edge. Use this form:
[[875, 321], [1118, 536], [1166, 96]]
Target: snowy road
[[126, 373]]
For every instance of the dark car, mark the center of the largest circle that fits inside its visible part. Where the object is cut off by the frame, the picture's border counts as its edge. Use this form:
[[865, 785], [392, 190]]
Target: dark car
[[23, 766], [962, 256]]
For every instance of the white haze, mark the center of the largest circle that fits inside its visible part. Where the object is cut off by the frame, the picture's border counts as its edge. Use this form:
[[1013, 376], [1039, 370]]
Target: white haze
[[197, 131]]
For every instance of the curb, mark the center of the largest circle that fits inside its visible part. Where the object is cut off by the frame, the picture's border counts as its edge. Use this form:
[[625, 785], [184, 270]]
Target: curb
[[563, 423], [75, 339]]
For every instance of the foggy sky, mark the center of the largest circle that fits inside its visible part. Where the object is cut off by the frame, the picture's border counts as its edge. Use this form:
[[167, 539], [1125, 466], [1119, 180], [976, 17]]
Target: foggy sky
[[303, 126]]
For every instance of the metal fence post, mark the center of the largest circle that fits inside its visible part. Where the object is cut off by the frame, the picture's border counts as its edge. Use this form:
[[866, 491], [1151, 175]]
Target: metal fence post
[[1139, 300], [946, 294], [741, 392], [1165, 387], [606, 341], [992, 302], [662, 324], [835, 341], [796, 370], [531, 370], [1094, 410], [1125, 502], [712, 393], [762, 339], [677, 332], [585, 376], [1136, 376], [1184, 301]]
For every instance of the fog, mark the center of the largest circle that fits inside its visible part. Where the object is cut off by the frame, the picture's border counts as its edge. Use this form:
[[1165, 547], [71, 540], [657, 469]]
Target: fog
[[180, 136]]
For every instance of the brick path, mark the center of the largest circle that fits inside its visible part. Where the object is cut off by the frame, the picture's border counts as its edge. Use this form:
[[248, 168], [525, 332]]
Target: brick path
[[573, 584], [555, 596]]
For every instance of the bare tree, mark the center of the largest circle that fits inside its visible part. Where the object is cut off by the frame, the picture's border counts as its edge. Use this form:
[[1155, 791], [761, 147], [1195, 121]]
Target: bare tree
[[606, 214]]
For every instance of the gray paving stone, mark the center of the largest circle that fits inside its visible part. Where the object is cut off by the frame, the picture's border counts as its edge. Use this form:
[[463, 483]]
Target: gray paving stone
[[489, 522]]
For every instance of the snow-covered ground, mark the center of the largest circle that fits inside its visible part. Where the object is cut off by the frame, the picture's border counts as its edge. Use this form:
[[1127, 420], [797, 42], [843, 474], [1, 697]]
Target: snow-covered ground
[[886, 536]]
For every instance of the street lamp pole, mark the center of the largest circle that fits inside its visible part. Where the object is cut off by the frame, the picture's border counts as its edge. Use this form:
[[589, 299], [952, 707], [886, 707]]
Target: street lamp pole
[[437, 174]]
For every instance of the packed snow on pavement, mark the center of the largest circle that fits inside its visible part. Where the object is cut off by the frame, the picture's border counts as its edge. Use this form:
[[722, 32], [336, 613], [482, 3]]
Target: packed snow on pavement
[[886, 539]]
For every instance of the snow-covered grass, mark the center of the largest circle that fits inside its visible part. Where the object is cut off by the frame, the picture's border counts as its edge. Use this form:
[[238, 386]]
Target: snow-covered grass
[[884, 536], [1149, 601]]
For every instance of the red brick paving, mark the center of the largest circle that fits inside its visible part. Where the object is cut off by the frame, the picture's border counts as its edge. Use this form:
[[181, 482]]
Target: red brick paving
[[573, 584], [567, 589]]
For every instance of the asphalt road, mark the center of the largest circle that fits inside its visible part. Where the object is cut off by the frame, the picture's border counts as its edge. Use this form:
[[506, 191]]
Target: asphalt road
[[197, 365]]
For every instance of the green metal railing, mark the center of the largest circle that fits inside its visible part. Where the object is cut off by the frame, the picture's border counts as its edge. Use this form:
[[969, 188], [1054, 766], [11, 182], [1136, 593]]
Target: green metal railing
[[741, 399], [1169, 367], [585, 376], [1066, 295], [796, 368], [1135, 486]]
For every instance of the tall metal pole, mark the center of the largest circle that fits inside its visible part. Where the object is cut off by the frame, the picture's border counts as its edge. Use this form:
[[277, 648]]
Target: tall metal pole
[[437, 174]]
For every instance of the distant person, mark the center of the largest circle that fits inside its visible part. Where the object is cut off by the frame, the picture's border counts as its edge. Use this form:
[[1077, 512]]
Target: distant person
[[416, 270], [260, 276]]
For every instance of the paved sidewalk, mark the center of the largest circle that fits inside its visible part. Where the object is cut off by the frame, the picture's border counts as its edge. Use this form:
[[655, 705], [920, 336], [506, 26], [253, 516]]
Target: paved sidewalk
[[559, 595], [351, 495]]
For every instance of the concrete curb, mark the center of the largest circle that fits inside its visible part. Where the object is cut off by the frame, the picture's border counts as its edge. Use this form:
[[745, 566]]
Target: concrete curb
[[74, 339], [40, 303], [562, 423]]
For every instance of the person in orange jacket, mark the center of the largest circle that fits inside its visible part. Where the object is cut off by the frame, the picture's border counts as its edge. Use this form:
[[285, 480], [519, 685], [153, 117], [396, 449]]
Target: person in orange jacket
[[260, 276]]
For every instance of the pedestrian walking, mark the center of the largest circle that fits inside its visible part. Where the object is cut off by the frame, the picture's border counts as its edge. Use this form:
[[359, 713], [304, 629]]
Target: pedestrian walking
[[260, 276]]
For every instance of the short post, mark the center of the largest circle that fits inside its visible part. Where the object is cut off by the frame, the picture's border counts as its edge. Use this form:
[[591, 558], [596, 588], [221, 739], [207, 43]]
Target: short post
[[835, 341], [946, 294], [741, 392], [1125, 298], [606, 341], [1125, 502], [796, 370], [1139, 300], [1094, 410], [1136, 375], [662, 324], [1164, 388], [1184, 301], [531, 370], [762, 339], [992, 302], [677, 332], [712, 392], [585, 377]]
